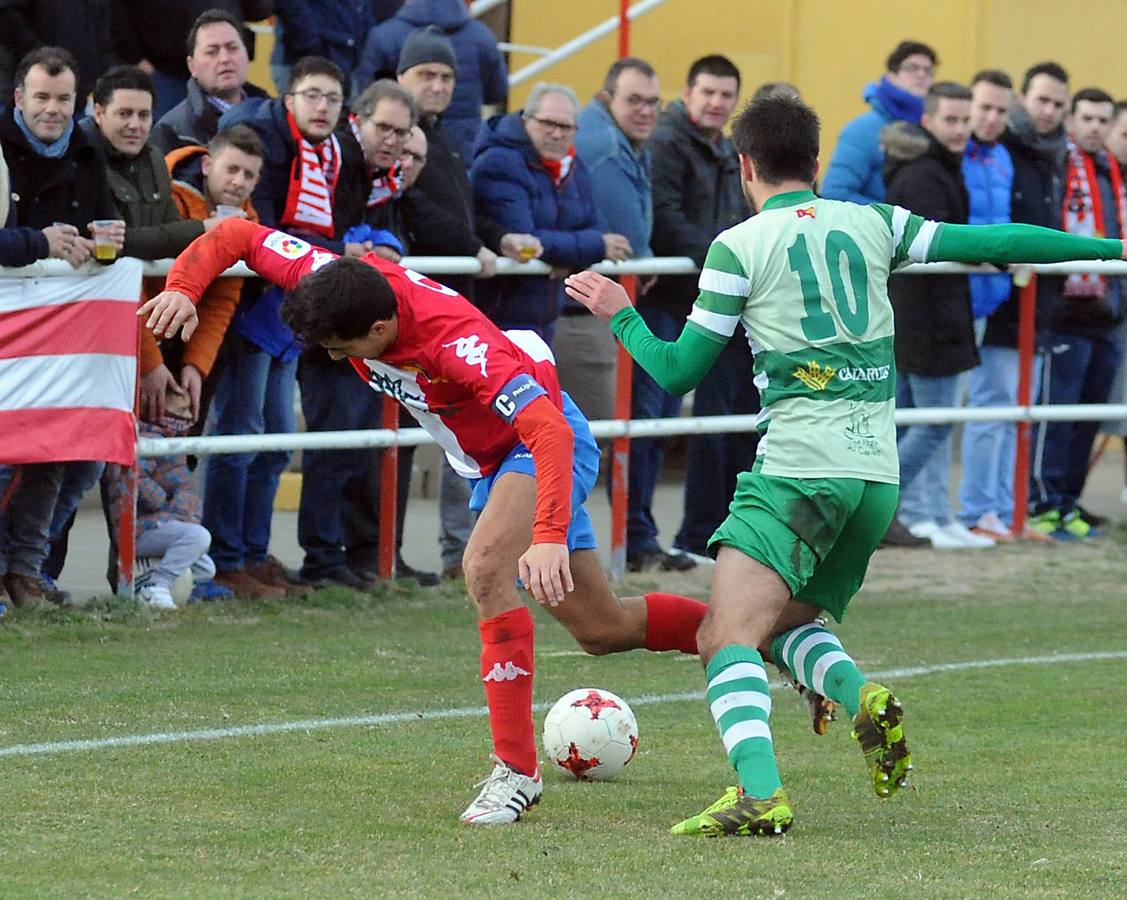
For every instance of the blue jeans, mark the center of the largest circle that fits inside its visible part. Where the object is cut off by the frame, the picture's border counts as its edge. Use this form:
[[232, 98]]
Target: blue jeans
[[78, 478], [989, 449], [171, 89], [925, 450], [254, 395], [714, 461], [339, 512], [648, 401], [1079, 370]]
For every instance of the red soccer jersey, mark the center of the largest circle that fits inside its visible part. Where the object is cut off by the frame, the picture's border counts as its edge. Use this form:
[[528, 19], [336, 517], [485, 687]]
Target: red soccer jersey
[[457, 373]]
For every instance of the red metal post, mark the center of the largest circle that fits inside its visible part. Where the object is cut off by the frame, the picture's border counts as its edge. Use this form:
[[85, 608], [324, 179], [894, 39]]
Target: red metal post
[[1027, 312], [389, 490], [620, 451], [623, 28]]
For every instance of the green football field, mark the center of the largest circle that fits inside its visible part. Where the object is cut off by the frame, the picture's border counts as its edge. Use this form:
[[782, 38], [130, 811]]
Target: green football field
[[326, 748]]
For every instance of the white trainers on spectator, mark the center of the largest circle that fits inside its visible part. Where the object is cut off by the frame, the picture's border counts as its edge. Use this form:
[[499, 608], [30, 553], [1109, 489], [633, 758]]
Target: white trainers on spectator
[[504, 796], [933, 531], [967, 537], [156, 596], [991, 526]]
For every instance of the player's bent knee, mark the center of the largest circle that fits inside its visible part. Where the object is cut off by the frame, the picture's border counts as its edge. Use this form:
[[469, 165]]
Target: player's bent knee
[[487, 573]]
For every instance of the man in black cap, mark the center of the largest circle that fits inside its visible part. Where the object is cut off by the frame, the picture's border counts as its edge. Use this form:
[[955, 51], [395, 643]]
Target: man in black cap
[[439, 214]]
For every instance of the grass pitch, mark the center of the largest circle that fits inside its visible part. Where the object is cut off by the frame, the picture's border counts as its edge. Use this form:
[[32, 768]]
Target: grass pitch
[[1018, 786]]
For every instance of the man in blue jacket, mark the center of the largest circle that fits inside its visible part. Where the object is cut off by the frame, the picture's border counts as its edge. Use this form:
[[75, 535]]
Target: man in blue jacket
[[986, 490], [854, 172], [482, 76], [527, 178]]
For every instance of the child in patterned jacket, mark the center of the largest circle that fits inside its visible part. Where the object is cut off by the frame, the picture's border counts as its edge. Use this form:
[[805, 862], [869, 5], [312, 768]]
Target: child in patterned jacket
[[168, 518]]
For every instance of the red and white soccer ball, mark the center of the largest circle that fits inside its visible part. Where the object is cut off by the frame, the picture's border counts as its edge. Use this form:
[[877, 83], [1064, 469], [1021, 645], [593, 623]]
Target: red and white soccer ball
[[590, 734]]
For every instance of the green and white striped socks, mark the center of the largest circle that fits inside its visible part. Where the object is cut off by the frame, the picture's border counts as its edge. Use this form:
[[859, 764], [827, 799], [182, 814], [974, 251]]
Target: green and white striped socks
[[741, 704], [815, 658]]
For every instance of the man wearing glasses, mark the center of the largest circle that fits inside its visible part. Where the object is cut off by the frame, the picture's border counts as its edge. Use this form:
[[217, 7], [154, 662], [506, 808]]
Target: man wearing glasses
[[314, 185], [854, 172]]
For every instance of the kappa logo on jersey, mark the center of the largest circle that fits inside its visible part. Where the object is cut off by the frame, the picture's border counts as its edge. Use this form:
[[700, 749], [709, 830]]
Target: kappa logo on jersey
[[805, 213], [471, 351], [286, 246], [320, 258], [815, 376], [507, 672]]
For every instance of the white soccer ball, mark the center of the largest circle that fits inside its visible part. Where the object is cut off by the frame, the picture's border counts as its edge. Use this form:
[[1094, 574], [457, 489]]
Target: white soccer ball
[[591, 734]]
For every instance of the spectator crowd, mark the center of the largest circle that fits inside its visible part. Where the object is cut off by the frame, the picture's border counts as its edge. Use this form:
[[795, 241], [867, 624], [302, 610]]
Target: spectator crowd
[[377, 144]]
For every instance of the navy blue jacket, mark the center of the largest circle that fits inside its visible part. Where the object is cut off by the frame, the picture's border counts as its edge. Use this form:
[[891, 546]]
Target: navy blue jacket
[[482, 76], [21, 246], [334, 29], [512, 187], [257, 317]]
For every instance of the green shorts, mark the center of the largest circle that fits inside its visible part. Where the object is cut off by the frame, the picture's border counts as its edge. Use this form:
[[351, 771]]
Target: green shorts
[[817, 534]]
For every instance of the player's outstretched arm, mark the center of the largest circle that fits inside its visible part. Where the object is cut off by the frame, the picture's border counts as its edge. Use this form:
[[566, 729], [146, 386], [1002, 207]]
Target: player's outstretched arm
[[1015, 243], [545, 568], [678, 366]]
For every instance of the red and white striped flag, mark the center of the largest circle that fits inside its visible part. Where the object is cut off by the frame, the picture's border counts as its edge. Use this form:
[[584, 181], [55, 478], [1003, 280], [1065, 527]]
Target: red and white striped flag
[[68, 366]]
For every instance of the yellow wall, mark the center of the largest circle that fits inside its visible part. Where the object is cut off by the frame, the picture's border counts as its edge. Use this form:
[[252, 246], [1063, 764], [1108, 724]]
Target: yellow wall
[[831, 48]]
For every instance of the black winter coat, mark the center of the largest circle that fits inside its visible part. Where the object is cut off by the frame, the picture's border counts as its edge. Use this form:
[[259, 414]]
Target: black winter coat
[[71, 189], [1038, 195], [934, 323], [193, 120], [696, 194]]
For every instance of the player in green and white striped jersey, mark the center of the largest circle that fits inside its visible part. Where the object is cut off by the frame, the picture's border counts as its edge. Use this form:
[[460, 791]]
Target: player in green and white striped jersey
[[806, 279]]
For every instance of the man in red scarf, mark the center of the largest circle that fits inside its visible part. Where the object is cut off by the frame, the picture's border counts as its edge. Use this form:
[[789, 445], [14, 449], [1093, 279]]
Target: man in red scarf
[[313, 184], [1085, 353]]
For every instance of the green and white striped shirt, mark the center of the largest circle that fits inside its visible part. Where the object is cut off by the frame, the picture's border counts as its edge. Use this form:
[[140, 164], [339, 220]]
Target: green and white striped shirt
[[808, 280]]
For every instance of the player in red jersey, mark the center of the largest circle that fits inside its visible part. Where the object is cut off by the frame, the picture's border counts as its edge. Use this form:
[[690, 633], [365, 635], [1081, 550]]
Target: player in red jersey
[[492, 401]]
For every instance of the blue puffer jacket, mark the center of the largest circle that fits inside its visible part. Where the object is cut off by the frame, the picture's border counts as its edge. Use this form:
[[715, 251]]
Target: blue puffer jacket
[[334, 29], [988, 173], [482, 76], [512, 186], [854, 172]]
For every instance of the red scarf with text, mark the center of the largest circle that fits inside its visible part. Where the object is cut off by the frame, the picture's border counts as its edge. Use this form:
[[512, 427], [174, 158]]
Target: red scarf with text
[[386, 186], [313, 181], [559, 168], [1083, 212]]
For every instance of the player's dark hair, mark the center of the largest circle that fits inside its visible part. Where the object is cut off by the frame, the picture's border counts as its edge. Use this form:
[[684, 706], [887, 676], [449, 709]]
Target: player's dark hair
[[776, 89], [716, 65], [123, 78], [1092, 95], [781, 136], [341, 300], [996, 77], [55, 60], [213, 17], [1120, 109], [1052, 69], [945, 90], [909, 48]]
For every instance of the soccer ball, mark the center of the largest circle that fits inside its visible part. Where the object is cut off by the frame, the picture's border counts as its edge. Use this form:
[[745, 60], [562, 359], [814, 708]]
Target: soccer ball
[[590, 734]]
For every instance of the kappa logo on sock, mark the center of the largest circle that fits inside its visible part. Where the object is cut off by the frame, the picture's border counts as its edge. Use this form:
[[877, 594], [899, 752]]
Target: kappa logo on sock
[[507, 672]]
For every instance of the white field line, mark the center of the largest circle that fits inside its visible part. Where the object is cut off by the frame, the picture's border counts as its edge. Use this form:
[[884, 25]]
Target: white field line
[[467, 712]]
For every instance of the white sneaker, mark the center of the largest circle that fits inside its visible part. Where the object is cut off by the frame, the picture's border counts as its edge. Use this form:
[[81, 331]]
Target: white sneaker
[[504, 796], [967, 537], [991, 526], [940, 539], [156, 596], [695, 557]]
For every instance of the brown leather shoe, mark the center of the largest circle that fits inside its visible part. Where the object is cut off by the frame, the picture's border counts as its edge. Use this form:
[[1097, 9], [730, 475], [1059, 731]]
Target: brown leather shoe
[[453, 573], [24, 590], [271, 571], [245, 585]]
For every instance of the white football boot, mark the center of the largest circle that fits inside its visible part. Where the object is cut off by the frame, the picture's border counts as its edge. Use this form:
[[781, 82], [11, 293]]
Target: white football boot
[[504, 797]]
